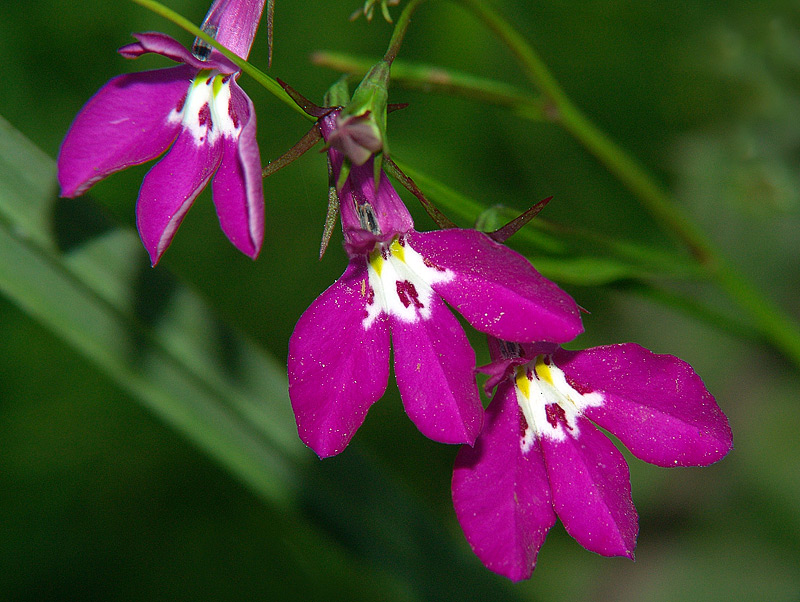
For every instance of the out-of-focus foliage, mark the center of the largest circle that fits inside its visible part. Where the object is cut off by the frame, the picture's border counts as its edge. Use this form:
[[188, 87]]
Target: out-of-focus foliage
[[100, 500]]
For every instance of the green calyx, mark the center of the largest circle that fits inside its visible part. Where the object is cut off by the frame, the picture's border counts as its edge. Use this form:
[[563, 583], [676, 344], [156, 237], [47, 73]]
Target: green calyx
[[369, 104]]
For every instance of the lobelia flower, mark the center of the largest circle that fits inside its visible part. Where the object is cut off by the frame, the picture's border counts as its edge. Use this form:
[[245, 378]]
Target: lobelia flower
[[394, 288], [539, 456], [198, 112]]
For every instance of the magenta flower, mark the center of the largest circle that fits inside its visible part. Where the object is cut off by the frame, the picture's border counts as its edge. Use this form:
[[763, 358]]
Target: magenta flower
[[198, 112], [395, 287], [539, 455]]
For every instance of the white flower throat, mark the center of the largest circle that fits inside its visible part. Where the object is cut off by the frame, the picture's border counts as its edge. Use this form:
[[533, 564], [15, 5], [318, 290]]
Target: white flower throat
[[548, 402], [207, 111], [399, 282]]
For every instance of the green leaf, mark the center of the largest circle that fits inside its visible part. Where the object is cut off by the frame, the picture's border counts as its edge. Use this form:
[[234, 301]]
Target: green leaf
[[587, 271], [85, 279]]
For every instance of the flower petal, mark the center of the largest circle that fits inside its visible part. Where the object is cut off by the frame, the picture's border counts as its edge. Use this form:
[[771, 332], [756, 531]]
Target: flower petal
[[501, 493], [337, 369], [656, 404], [592, 490], [170, 188], [434, 366], [496, 289], [237, 186], [235, 23], [125, 123], [160, 43]]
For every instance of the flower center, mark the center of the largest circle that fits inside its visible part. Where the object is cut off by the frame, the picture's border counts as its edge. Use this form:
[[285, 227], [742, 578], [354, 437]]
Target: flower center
[[207, 111], [400, 282], [548, 402]]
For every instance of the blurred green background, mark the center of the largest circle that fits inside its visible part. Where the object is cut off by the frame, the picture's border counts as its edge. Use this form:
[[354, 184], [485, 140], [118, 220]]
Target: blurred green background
[[100, 500]]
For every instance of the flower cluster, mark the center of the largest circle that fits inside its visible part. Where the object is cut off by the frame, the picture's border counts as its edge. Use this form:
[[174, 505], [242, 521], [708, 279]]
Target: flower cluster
[[535, 454]]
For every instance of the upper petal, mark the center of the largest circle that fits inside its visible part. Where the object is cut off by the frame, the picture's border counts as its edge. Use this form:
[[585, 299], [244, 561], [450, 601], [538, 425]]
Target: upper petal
[[170, 188], [501, 493], [161, 43], [656, 404], [434, 366], [234, 23], [496, 289], [378, 213], [337, 368], [125, 123], [237, 186], [592, 490]]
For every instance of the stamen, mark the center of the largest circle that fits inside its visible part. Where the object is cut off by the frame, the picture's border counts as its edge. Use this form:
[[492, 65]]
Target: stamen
[[202, 49], [509, 349], [367, 218]]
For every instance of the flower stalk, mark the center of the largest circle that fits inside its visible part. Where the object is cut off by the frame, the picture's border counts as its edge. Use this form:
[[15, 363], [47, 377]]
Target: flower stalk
[[780, 329]]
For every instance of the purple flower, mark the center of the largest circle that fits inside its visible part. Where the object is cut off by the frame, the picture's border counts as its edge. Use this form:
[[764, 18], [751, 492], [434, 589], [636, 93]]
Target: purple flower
[[539, 455], [198, 112], [395, 287]]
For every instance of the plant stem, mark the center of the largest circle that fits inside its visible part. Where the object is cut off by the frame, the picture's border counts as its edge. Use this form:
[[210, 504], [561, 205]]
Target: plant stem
[[433, 78], [400, 29], [779, 328]]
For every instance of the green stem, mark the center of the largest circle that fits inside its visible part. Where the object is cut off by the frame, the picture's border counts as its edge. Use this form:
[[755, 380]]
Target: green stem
[[779, 328], [433, 78], [400, 29], [262, 78]]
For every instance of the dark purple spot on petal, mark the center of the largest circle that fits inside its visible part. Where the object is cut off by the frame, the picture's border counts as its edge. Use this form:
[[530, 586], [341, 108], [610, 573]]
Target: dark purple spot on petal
[[430, 264], [181, 102], [579, 387], [204, 116], [407, 293], [555, 414], [523, 425], [232, 113]]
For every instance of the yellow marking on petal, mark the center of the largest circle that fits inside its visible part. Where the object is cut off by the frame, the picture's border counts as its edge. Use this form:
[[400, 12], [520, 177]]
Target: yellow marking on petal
[[398, 250], [376, 261], [543, 370], [217, 84], [201, 78], [363, 288], [523, 384]]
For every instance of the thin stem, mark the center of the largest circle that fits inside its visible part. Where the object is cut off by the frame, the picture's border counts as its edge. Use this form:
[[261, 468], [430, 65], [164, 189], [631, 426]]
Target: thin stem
[[437, 216], [400, 29], [262, 78], [447, 81], [781, 330], [304, 144]]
